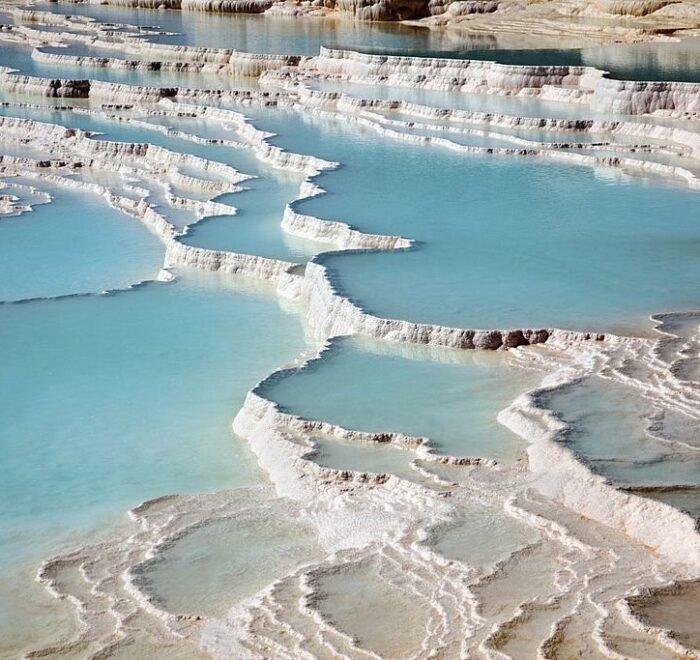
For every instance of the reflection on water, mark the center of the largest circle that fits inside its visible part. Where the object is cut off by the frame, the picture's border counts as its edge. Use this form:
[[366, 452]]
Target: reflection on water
[[265, 34]]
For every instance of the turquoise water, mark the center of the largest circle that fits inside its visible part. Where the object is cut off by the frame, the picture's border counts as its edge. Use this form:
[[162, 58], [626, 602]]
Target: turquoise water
[[20, 57], [97, 393], [484, 256], [495, 136], [255, 229], [122, 131], [367, 386], [75, 244], [110, 400], [510, 105]]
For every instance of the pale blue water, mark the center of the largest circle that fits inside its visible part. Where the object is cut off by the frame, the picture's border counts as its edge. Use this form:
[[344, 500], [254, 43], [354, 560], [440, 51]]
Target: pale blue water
[[19, 57], [255, 229], [510, 105], [491, 140], [497, 136], [674, 60], [594, 249], [122, 131], [377, 457], [481, 535], [110, 400], [609, 434], [75, 244], [367, 386]]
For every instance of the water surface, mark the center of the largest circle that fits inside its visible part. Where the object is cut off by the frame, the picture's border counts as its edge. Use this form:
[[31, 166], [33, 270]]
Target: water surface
[[503, 241], [267, 34], [612, 429], [111, 400], [254, 229], [262, 34], [367, 386], [220, 563], [77, 243]]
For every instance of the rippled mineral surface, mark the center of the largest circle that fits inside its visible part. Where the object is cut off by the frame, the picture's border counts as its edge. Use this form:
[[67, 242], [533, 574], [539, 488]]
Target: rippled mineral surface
[[337, 338]]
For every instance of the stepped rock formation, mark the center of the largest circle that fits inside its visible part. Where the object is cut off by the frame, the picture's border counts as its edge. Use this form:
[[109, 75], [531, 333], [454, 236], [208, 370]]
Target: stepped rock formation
[[521, 21], [593, 546]]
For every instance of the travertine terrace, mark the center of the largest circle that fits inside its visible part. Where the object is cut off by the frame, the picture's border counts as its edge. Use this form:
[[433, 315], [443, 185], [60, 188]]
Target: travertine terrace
[[598, 552]]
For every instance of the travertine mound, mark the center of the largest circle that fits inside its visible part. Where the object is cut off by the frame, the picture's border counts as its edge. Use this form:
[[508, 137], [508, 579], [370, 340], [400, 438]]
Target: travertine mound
[[601, 20], [384, 10], [229, 6], [596, 21]]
